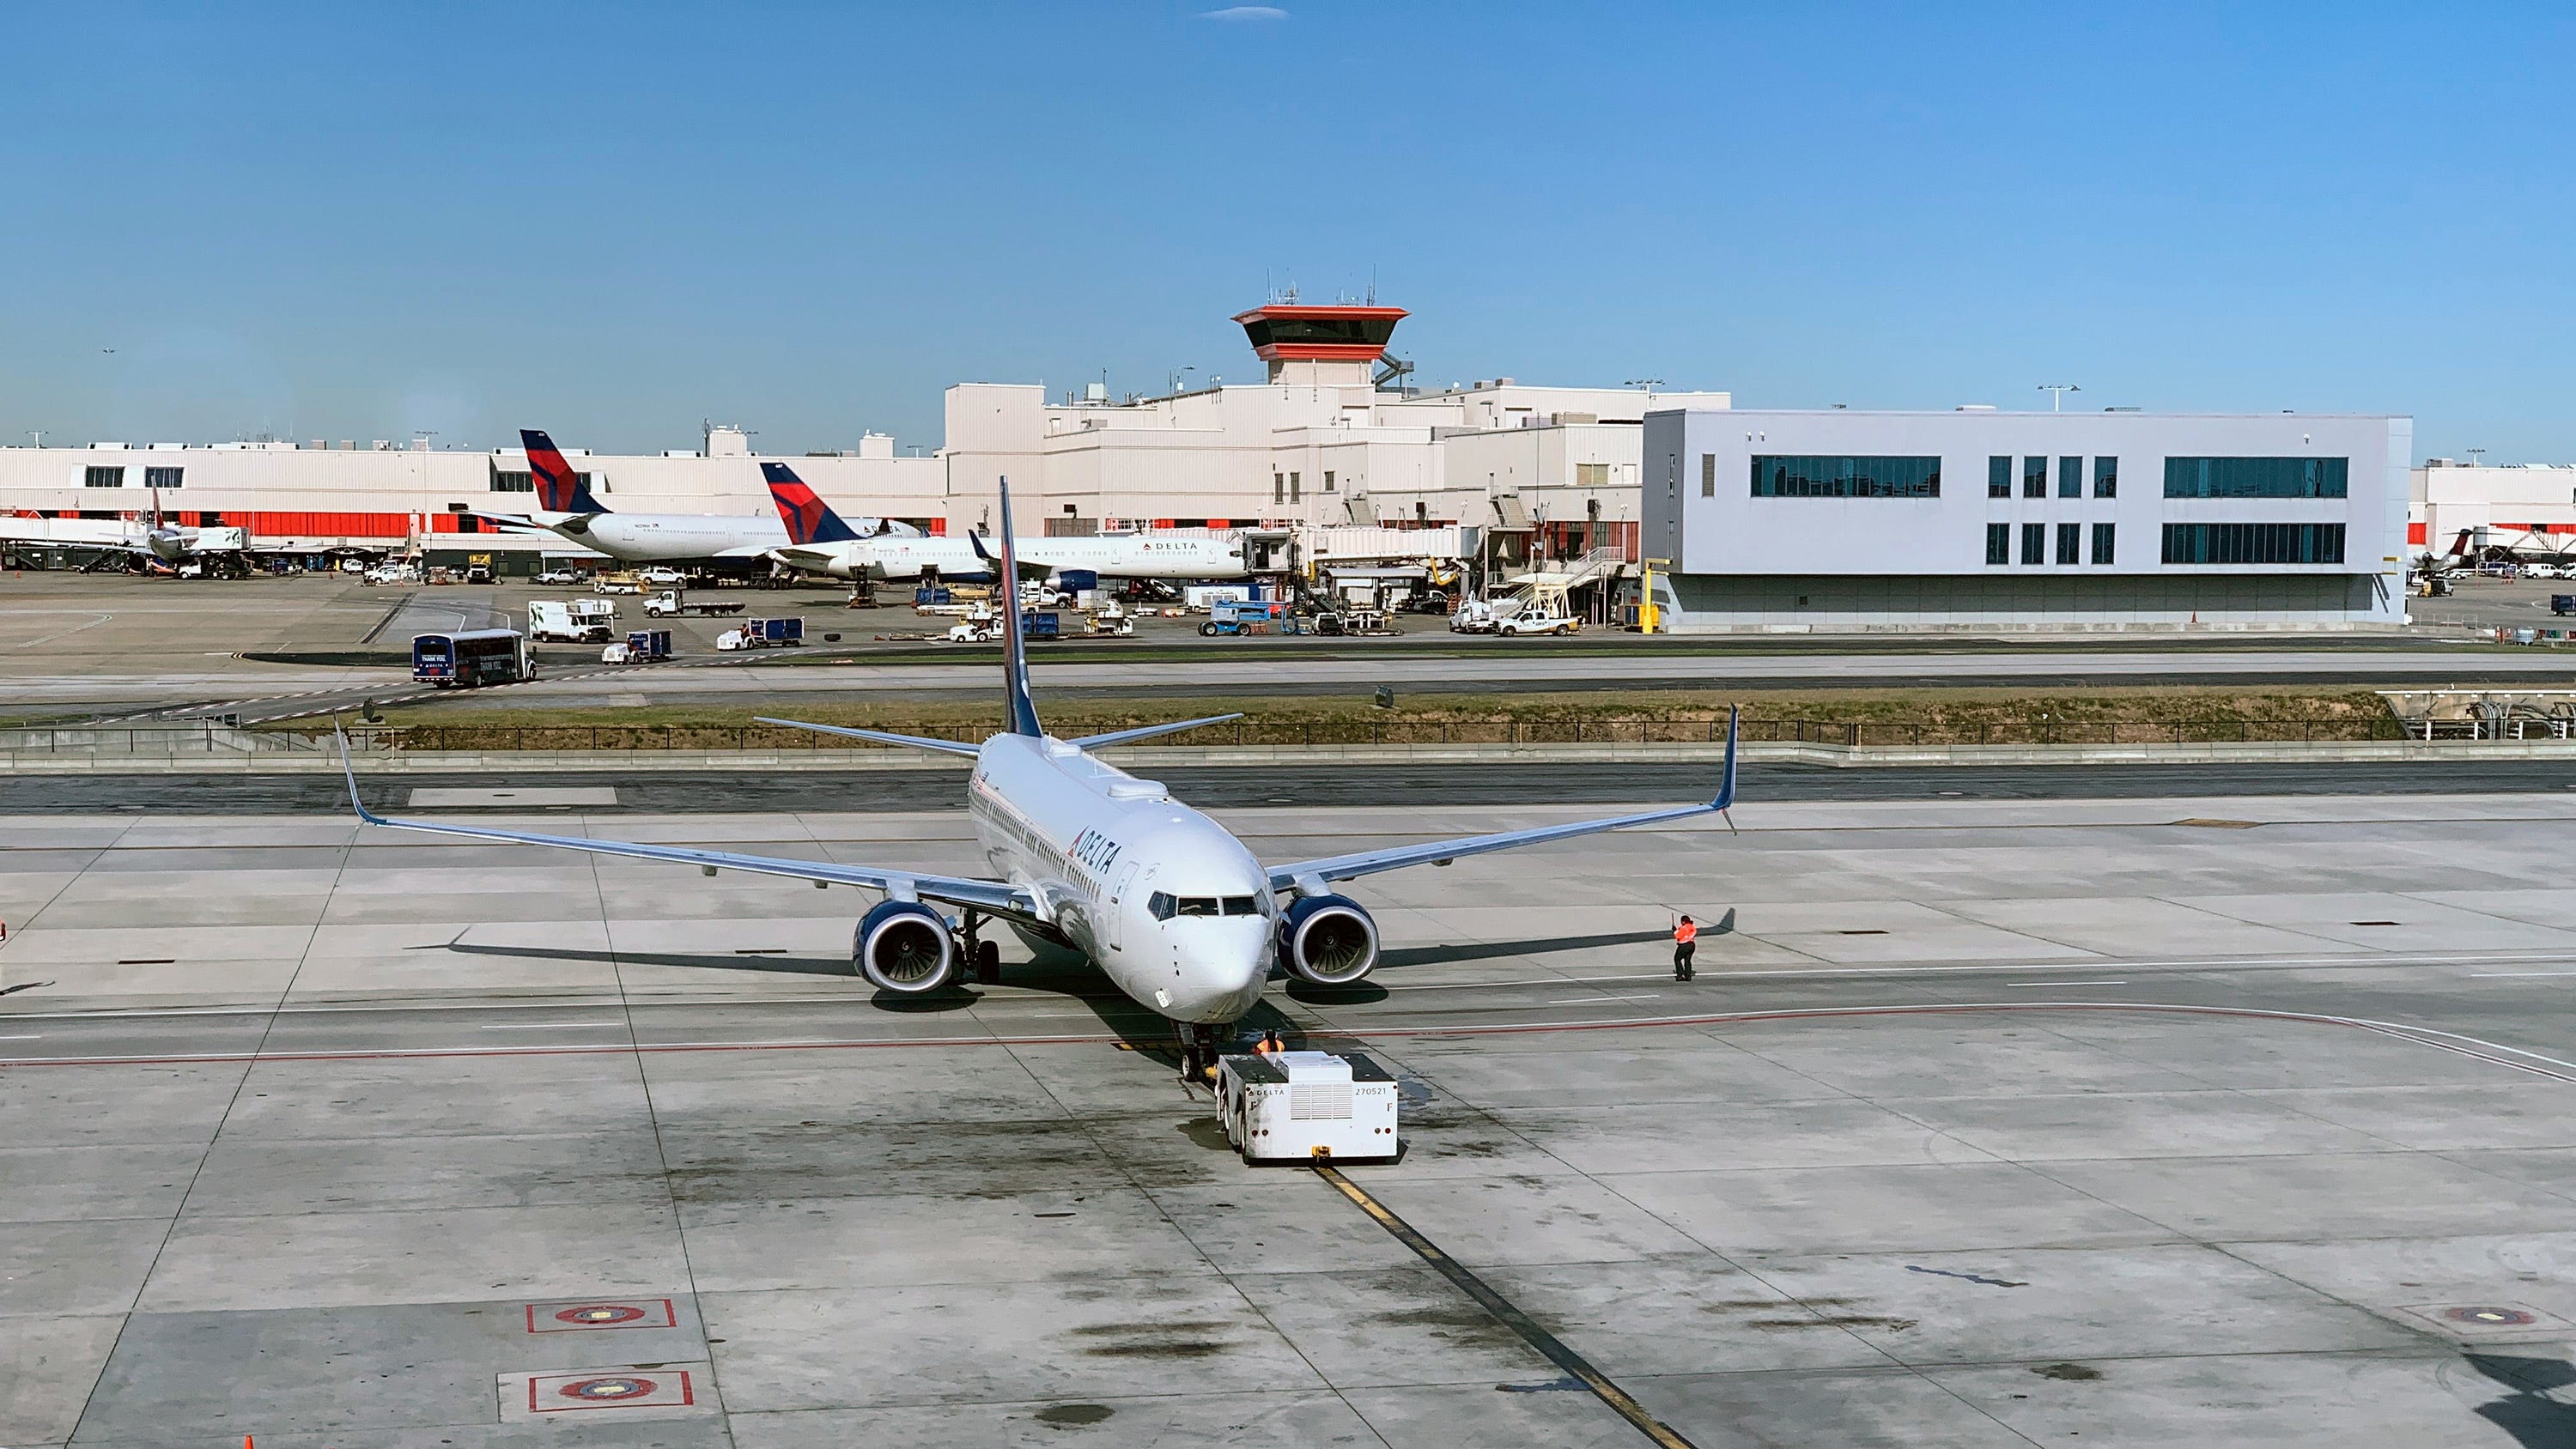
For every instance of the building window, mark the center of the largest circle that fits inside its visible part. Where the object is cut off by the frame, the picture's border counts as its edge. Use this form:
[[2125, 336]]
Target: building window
[[1278, 487], [1999, 477], [2253, 543], [1296, 488], [162, 477], [1821, 477], [2106, 477], [1708, 475], [2034, 477], [1328, 480], [1998, 543], [2070, 543], [2070, 478], [2102, 543], [514, 482], [2034, 543], [1597, 475], [2256, 477], [102, 478]]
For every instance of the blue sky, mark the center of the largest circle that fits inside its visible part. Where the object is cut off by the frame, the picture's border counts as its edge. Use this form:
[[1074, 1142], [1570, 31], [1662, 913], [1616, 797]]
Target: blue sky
[[615, 222]]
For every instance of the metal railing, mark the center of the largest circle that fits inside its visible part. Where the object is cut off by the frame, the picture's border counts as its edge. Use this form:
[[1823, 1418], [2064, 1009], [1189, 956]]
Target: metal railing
[[169, 738]]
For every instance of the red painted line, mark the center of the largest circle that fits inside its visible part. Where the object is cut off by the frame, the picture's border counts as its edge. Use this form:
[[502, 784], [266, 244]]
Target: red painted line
[[2420, 1036]]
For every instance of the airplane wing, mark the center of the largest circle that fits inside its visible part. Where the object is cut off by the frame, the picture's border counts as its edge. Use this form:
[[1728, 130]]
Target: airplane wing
[[992, 897], [1307, 875], [747, 550]]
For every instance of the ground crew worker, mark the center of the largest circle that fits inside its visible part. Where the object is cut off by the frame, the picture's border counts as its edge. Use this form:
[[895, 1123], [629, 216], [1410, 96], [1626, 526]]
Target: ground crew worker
[[1685, 944], [1270, 1045]]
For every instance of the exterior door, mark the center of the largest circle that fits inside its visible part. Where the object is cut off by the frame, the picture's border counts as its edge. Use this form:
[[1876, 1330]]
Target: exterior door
[[1118, 889]]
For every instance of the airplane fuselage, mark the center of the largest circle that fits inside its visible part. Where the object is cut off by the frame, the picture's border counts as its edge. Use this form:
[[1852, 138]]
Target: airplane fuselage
[[673, 537], [1174, 909], [1136, 556]]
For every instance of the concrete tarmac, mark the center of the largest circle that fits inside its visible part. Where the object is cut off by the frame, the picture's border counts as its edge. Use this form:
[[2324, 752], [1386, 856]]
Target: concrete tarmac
[[2163, 1120]]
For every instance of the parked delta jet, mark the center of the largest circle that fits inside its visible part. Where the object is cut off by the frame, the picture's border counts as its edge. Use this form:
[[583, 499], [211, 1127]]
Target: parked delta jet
[[1176, 911], [148, 539], [569, 510], [910, 557]]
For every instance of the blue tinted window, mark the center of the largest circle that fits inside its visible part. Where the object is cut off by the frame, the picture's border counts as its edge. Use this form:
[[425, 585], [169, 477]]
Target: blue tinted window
[[2106, 477], [2034, 543], [2070, 542], [1999, 477], [1782, 476], [1998, 543], [2101, 543], [2034, 477], [2070, 478], [2253, 543], [2256, 477]]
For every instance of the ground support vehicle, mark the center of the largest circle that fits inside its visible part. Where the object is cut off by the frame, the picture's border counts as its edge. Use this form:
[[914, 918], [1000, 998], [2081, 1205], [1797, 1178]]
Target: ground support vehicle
[[643, 646], [662, 577], [672, 602], [620, 583], [1245, 616], [1306, 1107], [763, 634], [576, 621]]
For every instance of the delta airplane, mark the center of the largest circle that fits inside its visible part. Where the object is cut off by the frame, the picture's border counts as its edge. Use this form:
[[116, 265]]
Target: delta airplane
[[905, 558], [149, 539], [570, 510], [1175, 910]]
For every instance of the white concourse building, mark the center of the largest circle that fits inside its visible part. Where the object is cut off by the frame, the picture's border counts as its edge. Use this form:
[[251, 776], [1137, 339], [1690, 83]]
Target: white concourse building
[[1978, 519]]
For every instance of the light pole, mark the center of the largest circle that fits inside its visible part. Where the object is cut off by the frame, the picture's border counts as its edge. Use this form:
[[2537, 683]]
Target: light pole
[[2057, 392], [2474, 455]]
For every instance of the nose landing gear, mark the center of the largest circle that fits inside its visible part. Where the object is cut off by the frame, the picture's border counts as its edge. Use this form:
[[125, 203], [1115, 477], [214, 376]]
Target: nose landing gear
[[1201, 1044]]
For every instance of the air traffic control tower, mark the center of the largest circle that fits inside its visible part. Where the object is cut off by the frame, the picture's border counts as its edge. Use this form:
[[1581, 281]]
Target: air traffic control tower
[[1320, 346]]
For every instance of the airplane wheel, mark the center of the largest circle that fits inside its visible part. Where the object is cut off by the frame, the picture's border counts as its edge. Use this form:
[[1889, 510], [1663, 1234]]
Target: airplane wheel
[[988, 963]]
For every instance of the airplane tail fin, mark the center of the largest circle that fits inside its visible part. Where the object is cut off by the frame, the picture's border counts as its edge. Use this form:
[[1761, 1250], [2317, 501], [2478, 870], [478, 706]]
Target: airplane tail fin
[[808, 518], [559, 488], [1015, 645]]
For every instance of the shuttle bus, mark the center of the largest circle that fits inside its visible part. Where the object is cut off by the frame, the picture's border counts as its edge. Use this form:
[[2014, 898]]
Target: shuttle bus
[[471, 657]]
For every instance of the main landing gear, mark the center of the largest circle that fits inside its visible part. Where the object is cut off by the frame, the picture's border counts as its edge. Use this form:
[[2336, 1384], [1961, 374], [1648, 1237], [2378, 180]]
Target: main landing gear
[[985, 957], [1201, 1044]]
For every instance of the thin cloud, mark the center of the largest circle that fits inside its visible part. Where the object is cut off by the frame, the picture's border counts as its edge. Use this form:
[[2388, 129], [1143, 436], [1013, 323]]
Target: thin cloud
[[1236, 14]]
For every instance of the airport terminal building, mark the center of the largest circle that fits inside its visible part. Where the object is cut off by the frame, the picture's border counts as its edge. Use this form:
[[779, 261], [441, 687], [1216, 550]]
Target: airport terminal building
[[1978, 519]]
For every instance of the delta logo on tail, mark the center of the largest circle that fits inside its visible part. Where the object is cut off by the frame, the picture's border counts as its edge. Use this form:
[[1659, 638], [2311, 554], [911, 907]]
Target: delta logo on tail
[[808, 518], [559, 488]]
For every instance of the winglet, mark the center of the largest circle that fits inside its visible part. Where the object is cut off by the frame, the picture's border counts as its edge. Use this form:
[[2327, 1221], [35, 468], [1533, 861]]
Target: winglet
[[1726, 790], [349, 772], [1015, 645]]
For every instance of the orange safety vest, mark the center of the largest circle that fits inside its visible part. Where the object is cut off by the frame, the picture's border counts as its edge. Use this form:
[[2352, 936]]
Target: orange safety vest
[[1685, 933]]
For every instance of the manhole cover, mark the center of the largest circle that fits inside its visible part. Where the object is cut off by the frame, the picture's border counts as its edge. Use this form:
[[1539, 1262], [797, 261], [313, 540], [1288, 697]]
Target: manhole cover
[[601, 1390], [600, 1314], [2491, 1317]]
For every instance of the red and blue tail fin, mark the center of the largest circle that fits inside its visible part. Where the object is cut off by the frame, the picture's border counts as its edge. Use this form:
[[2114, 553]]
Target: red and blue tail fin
[[559, 488], [808, 518], [1015, 645]]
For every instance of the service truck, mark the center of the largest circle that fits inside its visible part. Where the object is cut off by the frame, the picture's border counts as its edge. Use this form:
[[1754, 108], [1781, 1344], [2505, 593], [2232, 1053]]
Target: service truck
[[578, 621], [1307, 1107], [671, 601], [763, 634]]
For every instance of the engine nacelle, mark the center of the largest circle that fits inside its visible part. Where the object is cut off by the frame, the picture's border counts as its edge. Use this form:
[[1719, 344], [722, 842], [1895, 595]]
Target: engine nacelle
[[905, 947], [1327, 940]]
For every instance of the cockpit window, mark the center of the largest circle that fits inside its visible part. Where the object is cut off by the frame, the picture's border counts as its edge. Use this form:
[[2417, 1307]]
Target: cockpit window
[[1164, 906]]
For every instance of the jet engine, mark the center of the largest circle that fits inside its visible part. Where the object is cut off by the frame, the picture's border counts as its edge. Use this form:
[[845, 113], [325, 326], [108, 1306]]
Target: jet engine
[[1327, 940], [904, 947]]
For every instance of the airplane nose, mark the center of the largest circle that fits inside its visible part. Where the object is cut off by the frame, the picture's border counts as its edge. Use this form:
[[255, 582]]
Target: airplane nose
[[1222, 985]]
